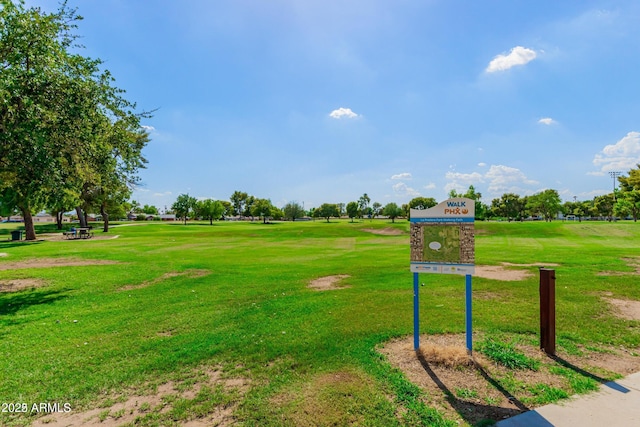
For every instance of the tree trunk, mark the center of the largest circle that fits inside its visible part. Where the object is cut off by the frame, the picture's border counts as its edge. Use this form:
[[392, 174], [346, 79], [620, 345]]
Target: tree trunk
[[29, 228], [81, 217], [59, 216], [105, 219]]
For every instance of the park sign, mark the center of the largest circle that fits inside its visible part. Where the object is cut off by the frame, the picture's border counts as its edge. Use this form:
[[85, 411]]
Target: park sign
[[442, 238]]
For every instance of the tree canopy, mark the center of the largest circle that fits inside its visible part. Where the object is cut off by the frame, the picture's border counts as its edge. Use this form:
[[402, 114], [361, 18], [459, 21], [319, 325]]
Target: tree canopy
[[327, 210], [184, 206], [64, 127], [209, 209], [392, 210], [293, 210]]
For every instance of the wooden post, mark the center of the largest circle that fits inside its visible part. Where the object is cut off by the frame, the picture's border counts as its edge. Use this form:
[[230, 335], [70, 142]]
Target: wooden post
[[548, 310]]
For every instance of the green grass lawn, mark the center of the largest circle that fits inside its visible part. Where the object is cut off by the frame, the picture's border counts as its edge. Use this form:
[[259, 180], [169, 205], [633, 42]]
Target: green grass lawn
[[235, 295]]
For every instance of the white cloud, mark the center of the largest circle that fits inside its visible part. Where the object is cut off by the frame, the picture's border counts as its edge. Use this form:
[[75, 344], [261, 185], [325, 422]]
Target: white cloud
[[482, 164], [401, 189], [505, 179], [518, 56], [465, 178], [621, 156], [166, 193], [547, 121], [148, 128], [430, 186], [461, 181], [500, 179], [343, 113], [404, 175]]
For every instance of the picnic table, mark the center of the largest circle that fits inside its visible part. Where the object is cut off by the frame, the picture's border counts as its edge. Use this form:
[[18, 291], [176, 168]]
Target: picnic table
[[78, 233], [85, 233]]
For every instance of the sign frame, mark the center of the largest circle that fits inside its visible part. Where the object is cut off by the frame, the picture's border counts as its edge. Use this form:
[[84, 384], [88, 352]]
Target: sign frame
[[448, 226]]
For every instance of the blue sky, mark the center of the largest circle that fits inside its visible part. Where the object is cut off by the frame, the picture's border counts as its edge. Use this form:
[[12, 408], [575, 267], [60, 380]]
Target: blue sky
[[322, 101]]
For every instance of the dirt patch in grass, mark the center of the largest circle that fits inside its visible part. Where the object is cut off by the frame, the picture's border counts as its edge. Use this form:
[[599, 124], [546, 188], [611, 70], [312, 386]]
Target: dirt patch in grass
[[472, 390], [191, 273], [631, 262], [16, 285], [626, 309], [498, 272], [328, 283], [501, 272], [53, 262], [57, 237], [388, 231], [204, 398], [535, 264]]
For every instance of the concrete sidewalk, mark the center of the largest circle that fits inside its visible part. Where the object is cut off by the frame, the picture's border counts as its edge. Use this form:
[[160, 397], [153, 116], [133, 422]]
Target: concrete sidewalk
[[616, 404]]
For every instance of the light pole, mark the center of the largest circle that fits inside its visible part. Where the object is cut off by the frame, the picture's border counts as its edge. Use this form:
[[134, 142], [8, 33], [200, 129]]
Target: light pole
[[614, 175]]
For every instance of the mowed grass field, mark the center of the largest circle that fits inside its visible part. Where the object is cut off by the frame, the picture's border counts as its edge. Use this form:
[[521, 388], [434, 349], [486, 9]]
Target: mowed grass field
[[180, 300]]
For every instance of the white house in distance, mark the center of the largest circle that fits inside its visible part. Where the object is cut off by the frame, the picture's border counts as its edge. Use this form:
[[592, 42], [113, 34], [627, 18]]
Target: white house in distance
[[44, 217]]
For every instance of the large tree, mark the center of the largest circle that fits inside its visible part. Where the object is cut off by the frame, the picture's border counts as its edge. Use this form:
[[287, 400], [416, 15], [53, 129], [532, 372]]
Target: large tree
[[7, 203], [150, 210], [546, 203], [392, 210], [419, 203], [293, 210], [248, 206], [480, 208], [56, 109], [238, 201], [603, 206], [363, 204], [352, 210], [509, 205], [184, 206], [262, 208], [376, 209], [114, 162], [327, 210], [629, 201], [209, 209], [422, 203]]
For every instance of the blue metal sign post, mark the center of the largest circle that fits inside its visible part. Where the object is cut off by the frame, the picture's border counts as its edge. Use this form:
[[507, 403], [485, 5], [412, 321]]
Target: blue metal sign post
[[416, 312], [442, 241], [469, 311]]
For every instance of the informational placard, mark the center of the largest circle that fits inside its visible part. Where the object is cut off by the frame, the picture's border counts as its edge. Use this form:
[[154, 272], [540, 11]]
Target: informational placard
[[442, 238]]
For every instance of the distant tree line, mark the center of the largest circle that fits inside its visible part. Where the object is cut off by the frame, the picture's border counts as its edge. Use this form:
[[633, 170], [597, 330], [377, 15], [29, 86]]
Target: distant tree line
[[545, 205]]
